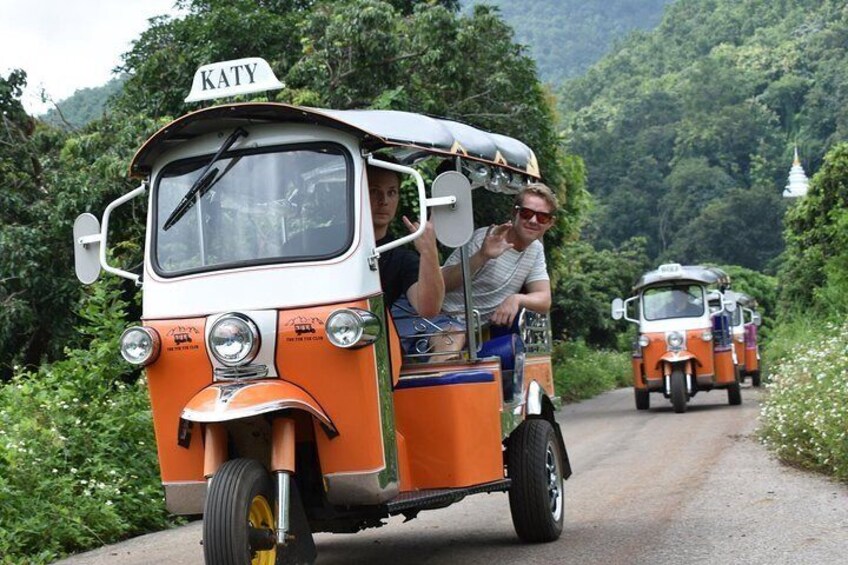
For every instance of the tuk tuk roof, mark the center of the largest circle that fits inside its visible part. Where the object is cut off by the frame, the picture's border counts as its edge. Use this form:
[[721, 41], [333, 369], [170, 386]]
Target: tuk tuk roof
[[375, 128], [746, 300], [674, 273]]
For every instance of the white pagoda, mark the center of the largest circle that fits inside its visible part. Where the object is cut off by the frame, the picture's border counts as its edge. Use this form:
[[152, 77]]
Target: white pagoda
[[798, 182]]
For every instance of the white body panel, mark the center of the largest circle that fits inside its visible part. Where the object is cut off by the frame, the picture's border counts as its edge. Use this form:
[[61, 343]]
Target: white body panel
[[675, 324], [347, 277]]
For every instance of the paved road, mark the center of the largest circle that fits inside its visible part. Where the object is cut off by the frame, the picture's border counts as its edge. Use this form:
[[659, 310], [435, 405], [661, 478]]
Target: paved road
[[653, 488]]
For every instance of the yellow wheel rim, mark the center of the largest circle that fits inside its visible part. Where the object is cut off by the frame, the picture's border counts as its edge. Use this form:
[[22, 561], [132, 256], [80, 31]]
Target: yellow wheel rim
[[261, 516]]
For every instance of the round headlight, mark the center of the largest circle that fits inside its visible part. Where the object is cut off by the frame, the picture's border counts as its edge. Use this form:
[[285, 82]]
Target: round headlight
[[140, 345], [675, 339], [352, 327], [234, 340], [707, 335], [644, 341]]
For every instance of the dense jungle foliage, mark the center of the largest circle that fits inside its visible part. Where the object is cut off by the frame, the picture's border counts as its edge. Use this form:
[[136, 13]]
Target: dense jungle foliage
[[688, 131], [566, 37], [805, 415]]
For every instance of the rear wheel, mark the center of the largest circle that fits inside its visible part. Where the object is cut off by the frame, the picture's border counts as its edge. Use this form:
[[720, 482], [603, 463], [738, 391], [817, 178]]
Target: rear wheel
[[238, 520], [734, 394], [755, 378], [678, 391], [643, 398], [536, 495]]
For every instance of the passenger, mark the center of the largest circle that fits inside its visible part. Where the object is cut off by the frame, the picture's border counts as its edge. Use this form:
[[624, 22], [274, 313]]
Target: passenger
[[507, 263], [402, 271]]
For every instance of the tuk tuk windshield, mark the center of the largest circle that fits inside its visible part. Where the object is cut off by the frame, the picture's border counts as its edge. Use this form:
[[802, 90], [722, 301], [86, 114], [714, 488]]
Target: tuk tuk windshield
[[667, 302], [276, 205]]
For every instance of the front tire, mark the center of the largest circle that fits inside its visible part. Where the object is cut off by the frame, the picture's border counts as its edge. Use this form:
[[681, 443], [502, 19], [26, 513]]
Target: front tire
[[238, 514], [536, 497], [678, 391], [755, 378]]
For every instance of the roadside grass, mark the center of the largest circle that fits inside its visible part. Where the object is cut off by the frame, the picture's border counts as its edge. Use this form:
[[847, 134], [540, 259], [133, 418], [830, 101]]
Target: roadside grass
[[805, 410], [78, 465], [581, 372]]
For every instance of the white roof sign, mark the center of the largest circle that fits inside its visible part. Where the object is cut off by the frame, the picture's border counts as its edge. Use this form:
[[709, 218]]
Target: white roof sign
[[231, 78]]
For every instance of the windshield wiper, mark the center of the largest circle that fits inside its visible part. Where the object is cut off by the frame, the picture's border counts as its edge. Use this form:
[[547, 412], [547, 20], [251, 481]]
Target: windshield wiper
[[203, 182]]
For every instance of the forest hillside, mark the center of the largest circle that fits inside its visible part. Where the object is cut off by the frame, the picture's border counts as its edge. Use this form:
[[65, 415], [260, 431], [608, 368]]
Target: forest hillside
[[688, 131], [565, 37]]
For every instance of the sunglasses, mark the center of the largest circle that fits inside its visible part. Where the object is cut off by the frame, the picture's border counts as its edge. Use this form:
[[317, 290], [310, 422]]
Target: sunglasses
[[541, 217]]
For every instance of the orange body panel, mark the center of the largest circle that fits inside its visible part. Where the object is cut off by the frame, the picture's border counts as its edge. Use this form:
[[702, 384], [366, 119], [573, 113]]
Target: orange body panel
[[700, 349], [725, 370], [342, 381], [752, 363], [538, 368], [182, 370], [451, 435], [739, 349]]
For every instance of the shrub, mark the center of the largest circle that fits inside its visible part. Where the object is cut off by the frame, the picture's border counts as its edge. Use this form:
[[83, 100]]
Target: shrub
[[804, 415], [78, 465], [581, 372]]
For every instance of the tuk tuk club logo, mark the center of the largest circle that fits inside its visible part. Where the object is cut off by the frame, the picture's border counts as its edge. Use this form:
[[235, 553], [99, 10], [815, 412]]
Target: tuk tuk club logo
[[183, 337], [304, 328]]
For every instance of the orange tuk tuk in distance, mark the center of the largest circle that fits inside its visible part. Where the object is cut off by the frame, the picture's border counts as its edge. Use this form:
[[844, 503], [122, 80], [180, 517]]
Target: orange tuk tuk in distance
[[683, 346], [282, 402], [746, 320]]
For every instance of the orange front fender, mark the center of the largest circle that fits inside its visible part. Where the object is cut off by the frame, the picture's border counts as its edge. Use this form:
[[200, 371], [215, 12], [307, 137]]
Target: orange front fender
[[677, 357], [222, 402]]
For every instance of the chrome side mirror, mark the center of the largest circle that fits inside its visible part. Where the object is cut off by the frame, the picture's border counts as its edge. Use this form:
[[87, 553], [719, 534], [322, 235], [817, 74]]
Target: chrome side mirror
[[87, 248], [451, 209], [728, 300], [617, 310]]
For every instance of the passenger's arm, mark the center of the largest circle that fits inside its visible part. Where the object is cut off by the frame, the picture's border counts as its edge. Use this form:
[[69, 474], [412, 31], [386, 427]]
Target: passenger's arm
[[426, 295], [494, 245], [536, 298]]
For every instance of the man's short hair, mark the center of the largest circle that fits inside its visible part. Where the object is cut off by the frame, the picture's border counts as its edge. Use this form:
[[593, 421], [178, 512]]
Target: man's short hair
[[388, 158], [542, 191]]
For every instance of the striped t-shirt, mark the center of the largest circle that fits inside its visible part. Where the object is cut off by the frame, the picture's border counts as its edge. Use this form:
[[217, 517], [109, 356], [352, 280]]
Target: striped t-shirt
[[498, 278]]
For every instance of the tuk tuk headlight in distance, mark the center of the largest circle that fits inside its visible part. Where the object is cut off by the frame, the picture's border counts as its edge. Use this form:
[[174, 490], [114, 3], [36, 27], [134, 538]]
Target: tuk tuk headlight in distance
[[140, 345], [707, 335], [234, 340], [352, 327], [644, 341], [675, 340]]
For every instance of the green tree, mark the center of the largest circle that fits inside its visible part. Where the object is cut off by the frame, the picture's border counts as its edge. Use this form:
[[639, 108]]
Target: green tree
[[815, 269]]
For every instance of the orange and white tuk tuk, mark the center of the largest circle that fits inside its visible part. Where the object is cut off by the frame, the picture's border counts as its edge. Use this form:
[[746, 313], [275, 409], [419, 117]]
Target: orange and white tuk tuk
[[282, 402], [683, 346], [746, 320]]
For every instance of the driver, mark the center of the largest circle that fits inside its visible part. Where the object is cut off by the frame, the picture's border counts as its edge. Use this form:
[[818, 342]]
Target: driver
[[681, 305]]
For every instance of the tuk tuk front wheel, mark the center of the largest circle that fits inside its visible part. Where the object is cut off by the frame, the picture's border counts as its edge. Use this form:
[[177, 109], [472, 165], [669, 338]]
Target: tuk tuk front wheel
[[678, 391], [536, 496], [238, 519]]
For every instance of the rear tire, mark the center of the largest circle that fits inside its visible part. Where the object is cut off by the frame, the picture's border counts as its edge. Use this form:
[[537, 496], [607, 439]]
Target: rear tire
[[536, 497], [240, 499], [755, 378], [643, 398], [734, 394], [678, 391]]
